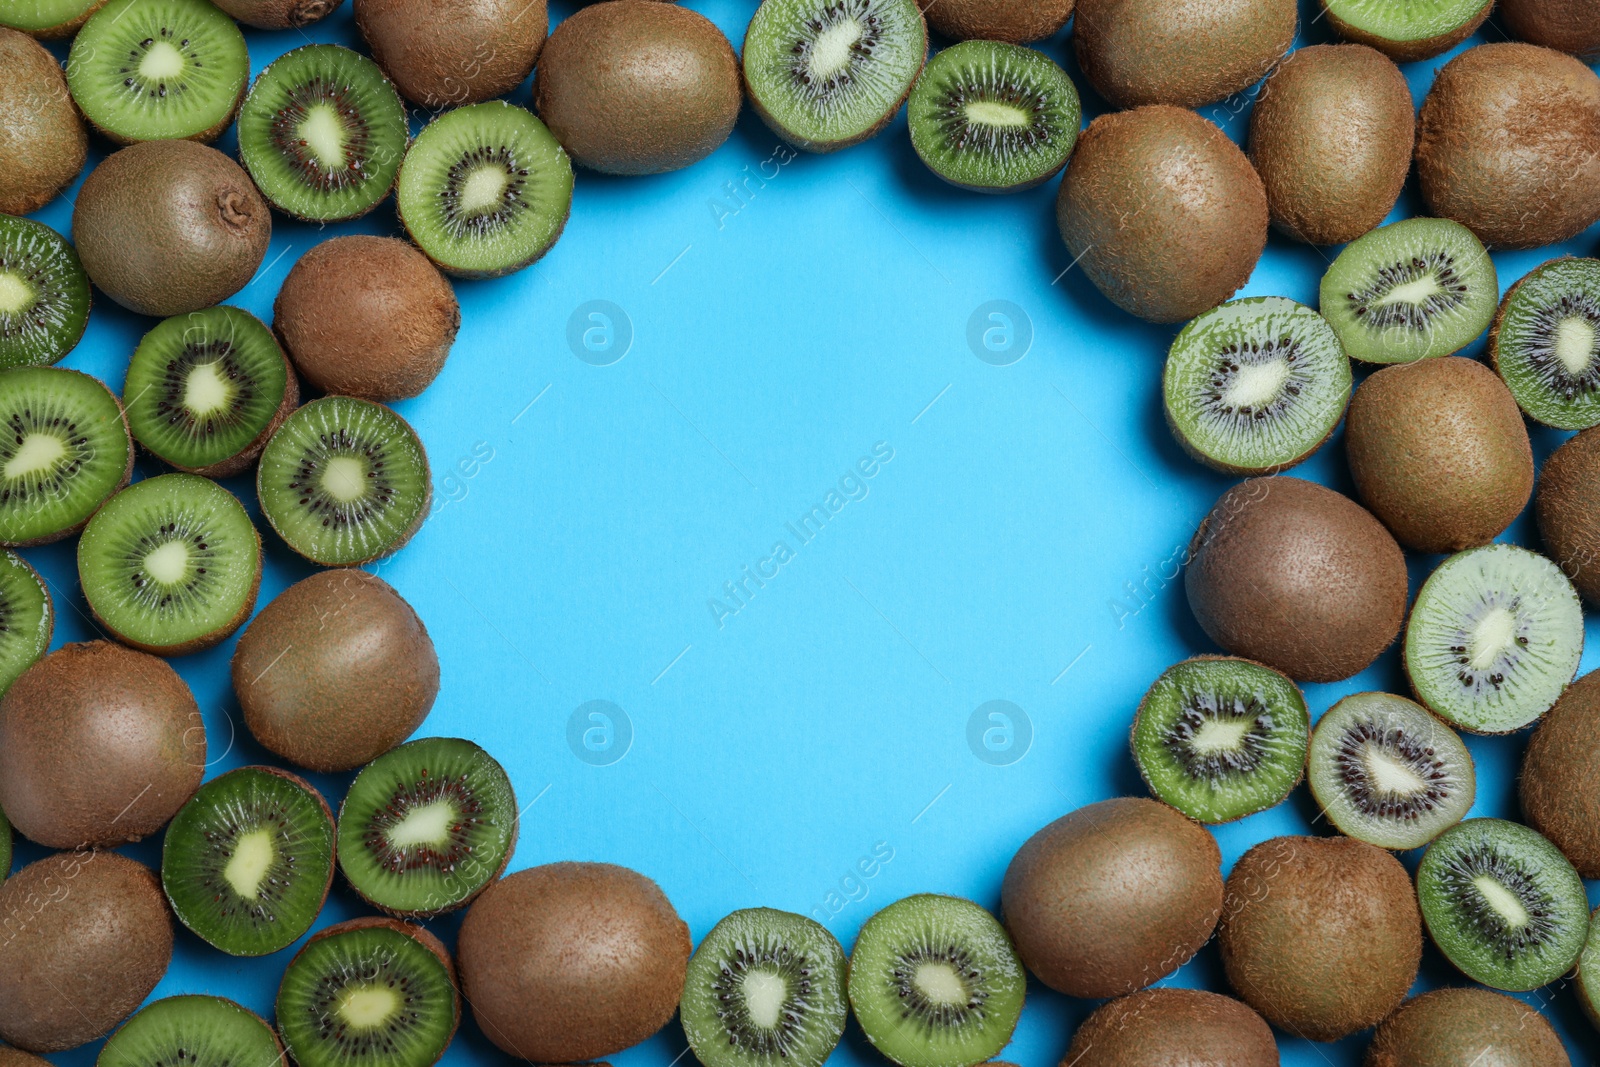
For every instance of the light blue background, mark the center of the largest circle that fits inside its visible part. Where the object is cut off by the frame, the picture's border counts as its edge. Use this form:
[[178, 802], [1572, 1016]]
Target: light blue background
[[1013, 549]]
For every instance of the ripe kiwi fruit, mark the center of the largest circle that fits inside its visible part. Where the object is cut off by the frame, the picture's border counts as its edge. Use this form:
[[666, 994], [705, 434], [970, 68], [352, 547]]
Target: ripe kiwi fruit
[[1296, 576], [15, 1057], [279, 14], [1013, 21], [1452, 1027], [336, 671], [1568, 510], [1410, 31], [169, 227], [1331, 136], [44, 294], [1320, 934], [1508, 144], [1173, 1026], [49, 20], [1560, 780], [638, 87], [1163, 213], [445, 53], [1546, 342], [84, 938], [572, 961], [1565, 25], [99, 745], [1112, 897], [42, 139], [192, 1031]]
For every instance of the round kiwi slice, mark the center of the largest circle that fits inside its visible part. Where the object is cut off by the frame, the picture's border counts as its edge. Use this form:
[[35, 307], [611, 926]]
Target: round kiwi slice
[[1494, 637], [171, 564], [248, 861], [344, 481], [192, 1031], [147, 70], [934, 981], [322, 133], [1503, 904], [48, 20], [27, 618], [1172, 1026], [44, 294], [1546, 343], [827, 74], [42, 140], [1418, 29], [1220, 738], [485, 190], [1465, 1026], [765, 988], [994, 117]]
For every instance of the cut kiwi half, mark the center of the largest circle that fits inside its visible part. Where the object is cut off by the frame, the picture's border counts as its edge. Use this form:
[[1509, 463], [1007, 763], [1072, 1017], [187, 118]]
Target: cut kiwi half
[[1386, 772], [151, 70], [1254, 386], [1416, 29], [827, 74], [27, 617], [248, 861], [1410, 290], [994, 117], [47, 19], [766, 989], [426, 827], [1546, 343], [485, 190], [171, 565], [1494, 637], [936, 982], [1503, 904], [1589, 972], [322, 132], [1220, 738], [44, 294], [192, 1031]]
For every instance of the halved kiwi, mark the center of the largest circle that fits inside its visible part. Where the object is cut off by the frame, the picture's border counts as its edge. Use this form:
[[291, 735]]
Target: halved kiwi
[[1417, 29], [1546, 343], [48, 19], [192, 1031], [1589, 973], [44, 294], [27, 617]]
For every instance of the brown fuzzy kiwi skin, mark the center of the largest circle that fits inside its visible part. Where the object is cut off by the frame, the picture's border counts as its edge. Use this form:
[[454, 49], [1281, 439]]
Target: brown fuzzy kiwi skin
[[169, 227], [1331, 136], [92, 924], [251, 452], [1297, 577], [99, 746], [279, 14], [446, 53], [1560, 782], [638, 86], [1409, 51], [1173, 1026], [42, 136], [1508, 145], [1162, 212], [1013, 21], [1449, 1027], [15, 1057], [572, 961], [127, 473], [1565, 25], [1112, 897], [1567, 506]]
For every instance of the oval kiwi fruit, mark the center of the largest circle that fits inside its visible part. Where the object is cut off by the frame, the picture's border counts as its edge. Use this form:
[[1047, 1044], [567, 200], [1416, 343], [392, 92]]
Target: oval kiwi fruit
[[1560, 781], [1568, 509], [1173, 1026], [1162, 212], [1331, 136], [42, 138], [279, 14], [1508, 144], [1546, 343], [1112, 897], [1565, 25], [48, 20], [1450, 1027], [445, 53], [572, 961], [1012, 21], [1407, 32]]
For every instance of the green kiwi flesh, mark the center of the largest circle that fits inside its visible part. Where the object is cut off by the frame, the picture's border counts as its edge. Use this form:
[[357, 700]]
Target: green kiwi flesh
[[64, 451], [43, 140], [1012, 21], [1568, 509], [27, 621], [1560, 770], [1173, 1026], [1565, 25], [44, 294], [279, 14], [1546, 343], [446, 53], [48, 20], [1460, 1026], [1589, 973], [195, 1031], [1419, 29]]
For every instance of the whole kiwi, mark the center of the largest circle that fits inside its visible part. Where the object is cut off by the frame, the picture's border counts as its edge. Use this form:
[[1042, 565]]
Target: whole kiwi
[[1016, 21], [1331, 136], [572, 961], [15, 1057], [1560, 782], [1565, 25], [279, 14], [1320, 934], [445, 53], [42, 137], [1162, 212], [1172, 1027], [1112, 897], [99, 745], [335, 672], [638, 87], [1568, 509], [1461, 1027], [1298, 577], [367, 316], [170, 227], [1508, 145], [84, 938]]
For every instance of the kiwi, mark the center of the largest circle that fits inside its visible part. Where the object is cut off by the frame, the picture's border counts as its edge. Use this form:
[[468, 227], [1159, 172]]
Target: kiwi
[[5, 850], [1559, 768], [248, 862], [1565, 25], [48, 20], [572, 961], [1418, 29], [1453, 1027], [1568, 509], [1508, 143], [827, 74], [279, 14], [1546, 343], [1012, 21], [935, 982], [1220, 738], [1331, 136], [44, 294], [1503, 904], [344, 481], [65, 450], [201, 1031], [1255, 386], [993, 117], [1298, 577], [1589, 973], [369, 993], [84, 938], [42, 140], [1173, 1026], [766, 989], [27, 621], [322, 133], [144, 70], [11, 1057], [638, 87], [367, 316], [169, 227], [1162, 212], [1320, 934], [485, 190], [1112, 897], [1385, 771], [445, 53]]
